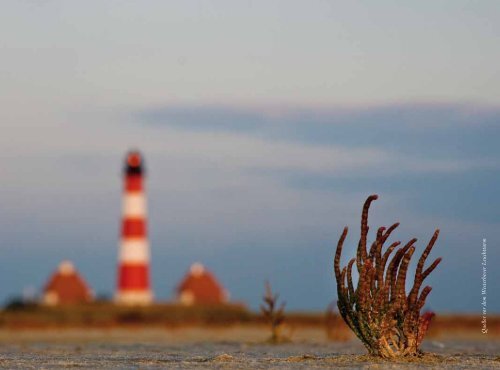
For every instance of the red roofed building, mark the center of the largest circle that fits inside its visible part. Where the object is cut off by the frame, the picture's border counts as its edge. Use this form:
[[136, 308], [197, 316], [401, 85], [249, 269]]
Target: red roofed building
[[200, 286], [65, 286]]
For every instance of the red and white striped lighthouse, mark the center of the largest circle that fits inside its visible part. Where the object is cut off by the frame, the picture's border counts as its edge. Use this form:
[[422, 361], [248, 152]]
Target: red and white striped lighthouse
[[133, 265]]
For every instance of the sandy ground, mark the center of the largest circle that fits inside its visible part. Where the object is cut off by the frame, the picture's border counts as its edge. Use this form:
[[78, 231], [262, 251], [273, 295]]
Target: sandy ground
[[230, 348]]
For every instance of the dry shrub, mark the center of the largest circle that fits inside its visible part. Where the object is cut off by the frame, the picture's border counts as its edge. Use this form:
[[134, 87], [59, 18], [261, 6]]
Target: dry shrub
[[336, 329], [273, 314]]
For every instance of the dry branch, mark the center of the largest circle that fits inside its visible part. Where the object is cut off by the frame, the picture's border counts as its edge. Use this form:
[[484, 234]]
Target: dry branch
[[273, 314]]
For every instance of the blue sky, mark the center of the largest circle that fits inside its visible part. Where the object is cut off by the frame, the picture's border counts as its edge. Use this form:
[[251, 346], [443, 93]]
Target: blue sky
[[264, 126]]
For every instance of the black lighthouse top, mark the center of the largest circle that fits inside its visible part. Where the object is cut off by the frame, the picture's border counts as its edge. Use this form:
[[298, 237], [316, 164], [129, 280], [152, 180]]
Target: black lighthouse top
[[134, 163]]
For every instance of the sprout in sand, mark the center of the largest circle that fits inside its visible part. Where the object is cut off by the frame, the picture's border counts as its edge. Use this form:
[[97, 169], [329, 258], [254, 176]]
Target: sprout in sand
[[272, 314]]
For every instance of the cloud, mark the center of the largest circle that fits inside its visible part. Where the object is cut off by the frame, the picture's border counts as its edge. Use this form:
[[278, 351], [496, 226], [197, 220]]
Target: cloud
[[435, 130], [205, 118], [442, 159]]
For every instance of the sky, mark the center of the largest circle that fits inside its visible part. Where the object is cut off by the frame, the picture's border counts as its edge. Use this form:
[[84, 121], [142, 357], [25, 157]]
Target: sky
[[264, 126]]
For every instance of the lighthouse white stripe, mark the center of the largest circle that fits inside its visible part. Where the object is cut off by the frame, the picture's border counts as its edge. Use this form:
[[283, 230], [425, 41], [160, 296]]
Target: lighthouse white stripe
[[134, 250], [134, 205], [134, 297]]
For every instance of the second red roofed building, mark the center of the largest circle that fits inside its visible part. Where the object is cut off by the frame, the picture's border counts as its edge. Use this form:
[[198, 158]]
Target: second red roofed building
[[201, 287]]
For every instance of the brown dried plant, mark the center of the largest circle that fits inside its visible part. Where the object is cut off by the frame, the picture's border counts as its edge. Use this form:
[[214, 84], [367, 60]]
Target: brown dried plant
[[273, 314], [378, 311], [336, 329]]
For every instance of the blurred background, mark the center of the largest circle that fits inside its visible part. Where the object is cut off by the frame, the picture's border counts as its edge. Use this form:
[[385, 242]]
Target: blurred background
[[264, 126]]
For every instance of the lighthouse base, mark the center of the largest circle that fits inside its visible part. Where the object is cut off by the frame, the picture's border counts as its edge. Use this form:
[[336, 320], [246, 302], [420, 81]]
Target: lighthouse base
[[134, 298]]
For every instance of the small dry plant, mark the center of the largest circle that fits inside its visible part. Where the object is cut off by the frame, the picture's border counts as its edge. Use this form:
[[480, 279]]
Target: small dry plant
[[336, 329], [273, 314], [378, 311]]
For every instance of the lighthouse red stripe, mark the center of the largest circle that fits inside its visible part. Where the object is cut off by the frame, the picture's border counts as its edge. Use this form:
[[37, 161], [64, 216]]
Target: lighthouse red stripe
[[133, 183], [133, 277], [134, 228]]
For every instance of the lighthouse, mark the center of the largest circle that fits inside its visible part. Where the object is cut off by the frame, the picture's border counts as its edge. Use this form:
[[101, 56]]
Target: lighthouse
[[133, 285]]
